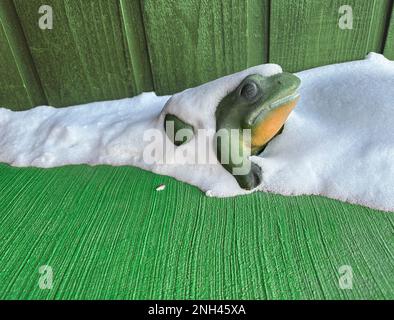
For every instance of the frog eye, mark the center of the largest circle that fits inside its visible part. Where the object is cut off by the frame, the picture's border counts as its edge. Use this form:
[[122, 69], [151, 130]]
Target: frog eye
[[177, 130], [249, 91]]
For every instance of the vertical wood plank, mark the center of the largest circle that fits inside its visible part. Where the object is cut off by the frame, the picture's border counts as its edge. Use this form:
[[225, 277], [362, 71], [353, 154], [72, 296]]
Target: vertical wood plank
[[389, 45], [86, 56], [306, 33], [19, 86], [137, 50], [194, 41]]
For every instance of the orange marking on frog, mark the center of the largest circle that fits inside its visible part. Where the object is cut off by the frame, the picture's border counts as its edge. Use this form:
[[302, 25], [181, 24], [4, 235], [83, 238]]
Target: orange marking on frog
[[271, 125]]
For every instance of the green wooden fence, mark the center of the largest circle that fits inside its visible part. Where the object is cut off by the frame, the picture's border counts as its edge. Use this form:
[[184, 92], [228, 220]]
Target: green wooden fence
[[109, 49]]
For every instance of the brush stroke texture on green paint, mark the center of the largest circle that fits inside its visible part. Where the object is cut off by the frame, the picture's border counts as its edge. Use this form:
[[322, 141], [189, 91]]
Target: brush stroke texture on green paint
[[306, 33], [389, 45], [87, 56], [108, 49], [194, 41], [107, 233], [19, 86]]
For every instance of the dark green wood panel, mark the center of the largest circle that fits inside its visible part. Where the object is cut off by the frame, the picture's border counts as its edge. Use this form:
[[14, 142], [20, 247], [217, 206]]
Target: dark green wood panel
[[389, 46], [194, 41], [108, 234], [19, 85], [86, 56], [137, 51], [306, 33]]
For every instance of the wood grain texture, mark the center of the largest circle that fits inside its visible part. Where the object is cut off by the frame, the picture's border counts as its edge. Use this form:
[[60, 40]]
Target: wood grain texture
[[389, 44], [194, 41], [19, 85], [108, 234], [306, 33], [90, 54], [137, 53]]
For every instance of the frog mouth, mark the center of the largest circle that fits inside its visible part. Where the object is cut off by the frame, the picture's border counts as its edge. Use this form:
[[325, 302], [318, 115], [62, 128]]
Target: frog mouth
[[284, 100], [294, 97]]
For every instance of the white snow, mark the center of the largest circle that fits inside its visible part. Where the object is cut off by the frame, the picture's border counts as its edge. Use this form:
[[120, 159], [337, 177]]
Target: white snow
[[162, 187], [339, 141]]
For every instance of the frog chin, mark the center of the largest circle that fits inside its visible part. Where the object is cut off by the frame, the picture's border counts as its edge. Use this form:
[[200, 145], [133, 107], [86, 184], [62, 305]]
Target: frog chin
[[266, 128]]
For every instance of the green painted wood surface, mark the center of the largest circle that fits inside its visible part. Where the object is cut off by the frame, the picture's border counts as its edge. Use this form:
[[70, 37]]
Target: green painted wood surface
[[108, 49], [137, 53], [91, 53], [19, 85], [389, 46], [194, 41], [306, 33], [107, 233]]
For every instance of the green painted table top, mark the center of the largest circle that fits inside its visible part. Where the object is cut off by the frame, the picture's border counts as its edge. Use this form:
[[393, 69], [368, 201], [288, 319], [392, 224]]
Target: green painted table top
[[107, 233]]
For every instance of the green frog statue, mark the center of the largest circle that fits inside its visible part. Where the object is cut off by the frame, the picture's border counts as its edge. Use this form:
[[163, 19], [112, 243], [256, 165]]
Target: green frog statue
[[256, 110]]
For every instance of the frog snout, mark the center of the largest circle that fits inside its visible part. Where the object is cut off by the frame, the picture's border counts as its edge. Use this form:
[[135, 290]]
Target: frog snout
[[288, 81]]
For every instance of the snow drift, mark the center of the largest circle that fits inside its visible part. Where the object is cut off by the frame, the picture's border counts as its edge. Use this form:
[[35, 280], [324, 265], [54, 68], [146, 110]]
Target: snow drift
[[339, 141]]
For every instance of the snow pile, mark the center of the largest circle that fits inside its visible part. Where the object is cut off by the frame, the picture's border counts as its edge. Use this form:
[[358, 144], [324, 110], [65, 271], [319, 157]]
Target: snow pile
[[338, 142], [122, 132]]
